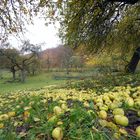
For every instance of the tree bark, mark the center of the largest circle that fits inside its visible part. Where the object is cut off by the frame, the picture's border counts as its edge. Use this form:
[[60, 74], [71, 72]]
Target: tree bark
[[13, 73], [131, 67], [23, 75], [125, 1]]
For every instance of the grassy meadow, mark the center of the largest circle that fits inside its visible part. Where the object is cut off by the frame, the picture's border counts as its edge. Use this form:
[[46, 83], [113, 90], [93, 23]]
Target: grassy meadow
[[40, 80]]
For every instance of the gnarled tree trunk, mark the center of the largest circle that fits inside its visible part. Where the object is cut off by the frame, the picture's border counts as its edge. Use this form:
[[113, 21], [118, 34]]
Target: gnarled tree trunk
[[23, 75], [131, 67], [13, 72]]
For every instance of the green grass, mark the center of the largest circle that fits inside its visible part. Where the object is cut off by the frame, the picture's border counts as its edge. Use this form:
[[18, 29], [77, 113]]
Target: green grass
[[38, 81], [32, 82]]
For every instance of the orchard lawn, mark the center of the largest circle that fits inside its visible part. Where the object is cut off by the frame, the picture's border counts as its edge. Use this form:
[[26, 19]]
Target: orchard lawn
[[81, 110], [40, 80], [32, 82]]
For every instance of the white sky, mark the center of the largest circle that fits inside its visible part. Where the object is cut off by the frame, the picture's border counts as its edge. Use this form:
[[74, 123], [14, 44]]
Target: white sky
[[39, 33]]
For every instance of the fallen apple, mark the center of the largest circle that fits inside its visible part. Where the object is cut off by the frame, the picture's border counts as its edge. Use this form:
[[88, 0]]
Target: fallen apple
[[57, 133], [138, 131], [130, 102], [57, 110], [121, 120], [102, 114], [118, 111]]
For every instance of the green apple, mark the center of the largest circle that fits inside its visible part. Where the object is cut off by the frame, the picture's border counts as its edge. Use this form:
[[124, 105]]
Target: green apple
[[121, 120], [137, 104], [57, 133], [118, 111], [102, 114], [138, 131]]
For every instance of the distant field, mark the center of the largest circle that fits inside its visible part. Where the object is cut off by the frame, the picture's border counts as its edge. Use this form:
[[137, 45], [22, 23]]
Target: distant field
[[40, 80], [44, 79]]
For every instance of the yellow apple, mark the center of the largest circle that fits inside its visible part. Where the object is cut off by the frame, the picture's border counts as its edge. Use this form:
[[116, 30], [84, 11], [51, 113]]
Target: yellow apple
[[139, 113], [130, 102], [57, 133], [57, 110], [53, 119], [113, 106], [121, 120], [105, 98], [118, 111], [103, 123], [138, 131], [108, 102], [86, 104], [137, 104], [4, 117], [99, 100], [102, 114], [99, 104], [112, 125], [117, 136], [11, 114], [104, 107], [123, 131], [59, 123], [64, 107]]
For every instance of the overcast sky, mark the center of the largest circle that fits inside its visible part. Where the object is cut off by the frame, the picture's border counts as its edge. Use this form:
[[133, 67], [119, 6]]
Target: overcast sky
[[39, 33]]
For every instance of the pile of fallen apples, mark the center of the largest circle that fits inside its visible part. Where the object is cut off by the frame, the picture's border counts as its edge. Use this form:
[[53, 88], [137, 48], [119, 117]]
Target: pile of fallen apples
[[114, 110], [117, 109]]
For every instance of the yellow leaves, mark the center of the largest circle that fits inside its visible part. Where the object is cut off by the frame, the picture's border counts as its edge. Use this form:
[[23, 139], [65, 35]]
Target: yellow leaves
[[16, 123], [27, 108], [36, 119], [26, 115], [22, 134]]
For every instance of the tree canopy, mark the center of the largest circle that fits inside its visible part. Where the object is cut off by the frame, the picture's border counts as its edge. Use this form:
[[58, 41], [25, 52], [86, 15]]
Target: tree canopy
[[15, 14], [93, 22], [88, 22]]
